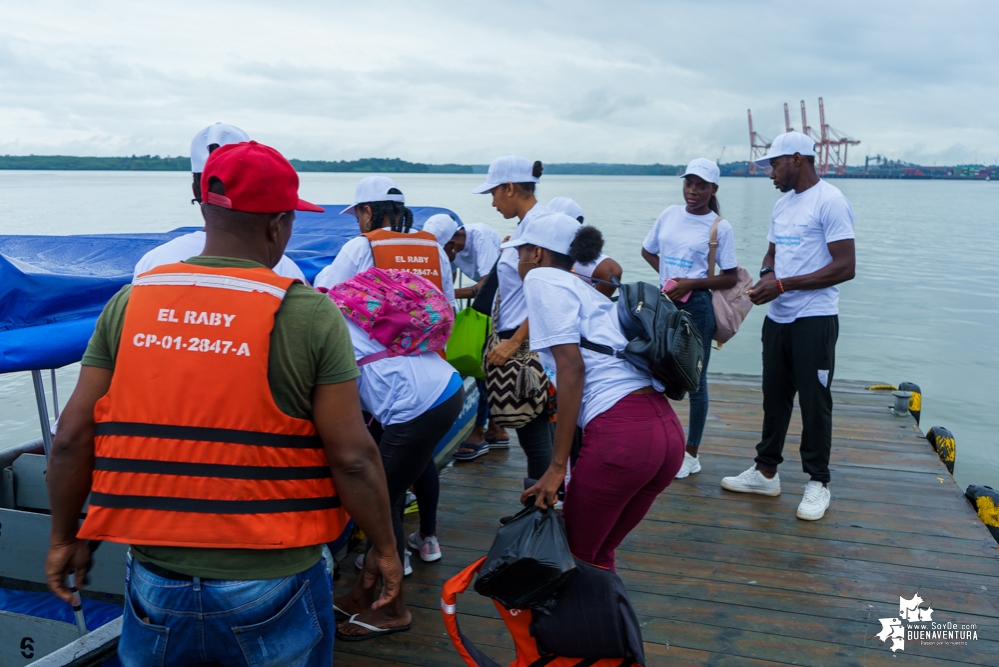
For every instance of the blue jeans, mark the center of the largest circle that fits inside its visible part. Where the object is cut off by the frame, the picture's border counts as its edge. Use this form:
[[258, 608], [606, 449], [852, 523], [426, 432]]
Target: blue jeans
[[482, 412], [703, 313], [287, 621]]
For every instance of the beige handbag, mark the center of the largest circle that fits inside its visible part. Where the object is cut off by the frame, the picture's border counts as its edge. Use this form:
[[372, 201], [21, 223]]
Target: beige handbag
[[517, 391], [731, 305]]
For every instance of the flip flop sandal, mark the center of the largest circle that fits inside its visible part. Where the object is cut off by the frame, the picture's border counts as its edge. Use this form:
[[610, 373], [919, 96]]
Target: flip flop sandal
[[340, 614], [477, 451], [375, 631], [499, 444]]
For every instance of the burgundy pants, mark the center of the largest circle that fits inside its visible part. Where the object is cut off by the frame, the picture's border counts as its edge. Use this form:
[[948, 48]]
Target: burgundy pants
[[629, 455]]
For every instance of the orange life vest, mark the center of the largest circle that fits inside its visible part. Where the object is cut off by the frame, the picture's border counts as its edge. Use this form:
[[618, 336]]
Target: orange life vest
[[416, 252], [518, 623], [191, 450]]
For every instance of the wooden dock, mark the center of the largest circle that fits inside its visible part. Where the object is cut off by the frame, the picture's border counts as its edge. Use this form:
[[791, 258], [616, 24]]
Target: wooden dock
[[720, 578]]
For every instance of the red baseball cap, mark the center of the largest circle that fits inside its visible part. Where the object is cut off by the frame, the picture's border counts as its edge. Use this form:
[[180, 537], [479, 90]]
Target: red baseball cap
[[257, 179]]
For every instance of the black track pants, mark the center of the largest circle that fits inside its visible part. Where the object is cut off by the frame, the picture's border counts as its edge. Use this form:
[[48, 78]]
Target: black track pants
[[798, 358]]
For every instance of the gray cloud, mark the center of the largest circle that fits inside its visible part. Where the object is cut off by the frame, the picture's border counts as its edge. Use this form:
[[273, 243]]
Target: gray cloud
[[631, 81]]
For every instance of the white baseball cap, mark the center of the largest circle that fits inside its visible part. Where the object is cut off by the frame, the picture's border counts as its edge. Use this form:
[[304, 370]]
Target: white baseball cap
[[703, 168], [507, 169], [219, 133], [442, 226], [551, 230], [567, 206], [372, 189], [788, 143]]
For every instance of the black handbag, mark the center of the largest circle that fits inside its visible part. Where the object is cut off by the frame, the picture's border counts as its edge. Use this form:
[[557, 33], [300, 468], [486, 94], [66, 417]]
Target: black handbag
[[483, 301], [662, 340]]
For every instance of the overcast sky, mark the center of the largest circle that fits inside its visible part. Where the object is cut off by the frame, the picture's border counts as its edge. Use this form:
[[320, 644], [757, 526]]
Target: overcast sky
[[465, 81]]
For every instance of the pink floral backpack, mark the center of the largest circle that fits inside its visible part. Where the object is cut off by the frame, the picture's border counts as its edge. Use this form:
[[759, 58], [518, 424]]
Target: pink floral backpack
[[402, 311]]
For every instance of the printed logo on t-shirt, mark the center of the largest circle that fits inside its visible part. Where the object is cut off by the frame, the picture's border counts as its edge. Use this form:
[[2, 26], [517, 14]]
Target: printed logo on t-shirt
[[788, 240], [680, 262]]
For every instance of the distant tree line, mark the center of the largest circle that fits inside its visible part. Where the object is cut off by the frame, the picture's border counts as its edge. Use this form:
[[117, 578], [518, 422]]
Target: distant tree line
[[365, 165]]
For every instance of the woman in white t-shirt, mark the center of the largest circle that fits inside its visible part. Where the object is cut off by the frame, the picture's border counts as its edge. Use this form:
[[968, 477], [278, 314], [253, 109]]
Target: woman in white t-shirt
[[511, 181], [410, 403], [677, 247], [603, 268], [632, 443]]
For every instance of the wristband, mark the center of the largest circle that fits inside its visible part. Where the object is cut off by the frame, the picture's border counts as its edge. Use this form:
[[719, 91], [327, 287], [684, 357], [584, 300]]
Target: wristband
[[780, 286]]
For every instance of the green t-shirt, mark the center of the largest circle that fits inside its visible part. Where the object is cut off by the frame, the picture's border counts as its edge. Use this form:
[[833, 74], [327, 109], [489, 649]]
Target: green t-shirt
[[310, 345]]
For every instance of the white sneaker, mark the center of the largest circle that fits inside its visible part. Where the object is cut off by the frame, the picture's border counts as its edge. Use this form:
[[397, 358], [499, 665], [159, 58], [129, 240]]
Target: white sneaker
[[407, 569], [753, 481], [691, 465], [815, 502]]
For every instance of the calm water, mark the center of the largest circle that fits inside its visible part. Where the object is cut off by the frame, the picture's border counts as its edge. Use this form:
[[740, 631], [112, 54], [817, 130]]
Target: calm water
[[924, 306]]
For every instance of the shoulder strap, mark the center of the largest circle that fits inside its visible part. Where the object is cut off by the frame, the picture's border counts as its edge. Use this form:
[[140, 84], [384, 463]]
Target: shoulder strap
[[601, 349], [713, 247]]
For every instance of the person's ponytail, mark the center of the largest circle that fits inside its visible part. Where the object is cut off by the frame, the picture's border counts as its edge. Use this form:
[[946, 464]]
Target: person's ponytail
[[537, 169], [587, 246], [713, 205]]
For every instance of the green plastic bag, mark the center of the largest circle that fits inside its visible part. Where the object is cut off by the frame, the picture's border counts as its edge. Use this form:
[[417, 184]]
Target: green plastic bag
[[468, 337]]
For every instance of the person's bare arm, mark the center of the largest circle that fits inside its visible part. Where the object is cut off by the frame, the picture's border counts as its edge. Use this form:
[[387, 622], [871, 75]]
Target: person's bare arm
[[570, 371], [69, 477], [502, 352], [606, 270], [723, 280], [840, 269], [652, 259], [469, 292], [359, 476]]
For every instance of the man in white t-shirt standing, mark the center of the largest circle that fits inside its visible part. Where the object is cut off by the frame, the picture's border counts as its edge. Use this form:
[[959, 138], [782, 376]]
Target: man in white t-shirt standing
[[811, 251], [189, 245]]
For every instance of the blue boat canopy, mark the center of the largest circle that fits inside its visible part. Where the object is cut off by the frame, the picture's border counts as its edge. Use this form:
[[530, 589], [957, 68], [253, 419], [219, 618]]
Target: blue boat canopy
[[52, 288]]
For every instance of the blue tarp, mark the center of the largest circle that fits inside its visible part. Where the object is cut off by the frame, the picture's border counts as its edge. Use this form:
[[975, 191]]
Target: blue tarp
[[52, 288]]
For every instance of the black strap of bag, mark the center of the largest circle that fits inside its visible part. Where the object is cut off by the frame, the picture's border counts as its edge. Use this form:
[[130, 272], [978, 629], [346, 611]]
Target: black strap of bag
[[483, 301], [602, 349]]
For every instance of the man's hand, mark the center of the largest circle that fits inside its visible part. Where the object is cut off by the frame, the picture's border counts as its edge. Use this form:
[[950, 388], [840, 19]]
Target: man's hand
[[764, 291], [389, 566], [63, 559], [501, 354], [545, 490], [682, 287]]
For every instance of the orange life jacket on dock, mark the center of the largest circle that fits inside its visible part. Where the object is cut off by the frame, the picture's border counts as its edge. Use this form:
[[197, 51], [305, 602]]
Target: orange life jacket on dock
[[416, 252], [191, 449], [519, 624]]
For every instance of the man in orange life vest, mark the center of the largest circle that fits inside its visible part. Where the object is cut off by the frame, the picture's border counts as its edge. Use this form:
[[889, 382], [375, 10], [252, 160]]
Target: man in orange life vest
[[387, 240], [217, 427]]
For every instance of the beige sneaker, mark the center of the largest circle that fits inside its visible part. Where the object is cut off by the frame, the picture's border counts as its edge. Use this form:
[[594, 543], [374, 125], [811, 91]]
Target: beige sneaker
[[752, 481]]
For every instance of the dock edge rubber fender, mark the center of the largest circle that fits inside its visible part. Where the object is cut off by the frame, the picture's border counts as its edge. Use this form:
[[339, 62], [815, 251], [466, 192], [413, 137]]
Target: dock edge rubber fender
[[985, 500], [942, 442]]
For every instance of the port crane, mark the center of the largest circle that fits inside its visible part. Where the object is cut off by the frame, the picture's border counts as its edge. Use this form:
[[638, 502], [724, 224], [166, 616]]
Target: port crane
[[758, 144]]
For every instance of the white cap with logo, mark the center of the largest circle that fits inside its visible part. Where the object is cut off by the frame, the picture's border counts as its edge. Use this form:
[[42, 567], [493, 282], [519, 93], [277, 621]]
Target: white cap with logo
[[703, 168], [567, 206], [507, 169], [788, 143], [372, 189], [220, 134], [551, 230], [442, 226]]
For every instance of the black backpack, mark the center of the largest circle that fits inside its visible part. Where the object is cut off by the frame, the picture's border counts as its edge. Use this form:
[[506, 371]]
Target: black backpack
[[662, 340]]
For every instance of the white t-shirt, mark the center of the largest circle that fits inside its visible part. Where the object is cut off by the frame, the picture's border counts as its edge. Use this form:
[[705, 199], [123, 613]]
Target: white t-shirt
[[398, 389], [801, 227], [681, 241], [355, 256], [561, 309], [585, 271], [482, 248], [193, 244], [513, 307]]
